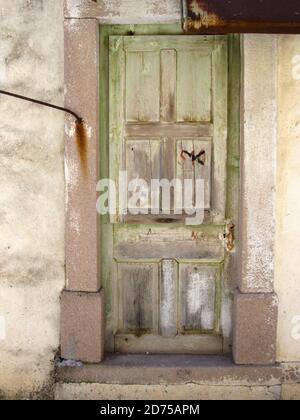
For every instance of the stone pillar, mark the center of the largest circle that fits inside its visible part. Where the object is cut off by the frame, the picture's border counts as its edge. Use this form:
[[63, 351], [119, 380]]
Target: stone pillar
[[82, 306], [255, 309]]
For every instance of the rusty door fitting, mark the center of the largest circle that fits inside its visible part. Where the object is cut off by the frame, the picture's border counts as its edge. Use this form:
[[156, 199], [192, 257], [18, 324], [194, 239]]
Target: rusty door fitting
[[228, 237], [241, 16]]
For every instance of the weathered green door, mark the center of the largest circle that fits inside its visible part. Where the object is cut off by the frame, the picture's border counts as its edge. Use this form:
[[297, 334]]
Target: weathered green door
[[169, 104]]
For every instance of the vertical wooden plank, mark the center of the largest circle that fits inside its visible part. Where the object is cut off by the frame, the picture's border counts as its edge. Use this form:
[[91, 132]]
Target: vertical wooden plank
[[168, 298], [233, 182], [156, 148], [187, 145], [188, 174], [198, 294], [116, 106], [233, 144], [185, 170], [169, 158], [220, 112], [155, 156], [138, 284], [193, 86], [204, 171], [138, 160], [138, 167], [142, 86], [106, 240], [168, 110], [168, 86], [143, 162]]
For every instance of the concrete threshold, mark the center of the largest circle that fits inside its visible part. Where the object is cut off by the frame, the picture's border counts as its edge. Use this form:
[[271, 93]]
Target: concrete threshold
[[170, 370]]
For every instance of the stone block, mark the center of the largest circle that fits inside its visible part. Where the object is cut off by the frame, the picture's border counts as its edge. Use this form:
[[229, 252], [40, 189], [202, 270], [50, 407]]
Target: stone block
[[82, 326], [255, 329]]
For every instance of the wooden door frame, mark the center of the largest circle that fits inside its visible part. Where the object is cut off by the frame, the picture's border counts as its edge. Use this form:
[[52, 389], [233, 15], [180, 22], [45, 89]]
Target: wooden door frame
[[82, 301]]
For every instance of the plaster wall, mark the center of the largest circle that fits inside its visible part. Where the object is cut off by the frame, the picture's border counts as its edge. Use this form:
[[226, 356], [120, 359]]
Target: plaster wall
[[31, 194]]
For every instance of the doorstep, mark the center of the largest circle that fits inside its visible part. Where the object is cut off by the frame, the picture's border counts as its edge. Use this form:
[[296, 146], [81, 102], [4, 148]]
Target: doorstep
[[171, 370]]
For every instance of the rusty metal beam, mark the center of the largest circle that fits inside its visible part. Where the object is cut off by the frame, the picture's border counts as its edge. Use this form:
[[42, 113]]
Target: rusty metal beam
[[241, 16]]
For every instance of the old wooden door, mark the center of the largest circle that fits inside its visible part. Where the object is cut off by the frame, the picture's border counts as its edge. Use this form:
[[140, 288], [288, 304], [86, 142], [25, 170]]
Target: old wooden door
[[168, 104]]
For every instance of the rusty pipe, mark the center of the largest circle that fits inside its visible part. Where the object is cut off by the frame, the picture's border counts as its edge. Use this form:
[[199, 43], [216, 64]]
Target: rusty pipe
[[35, 101]]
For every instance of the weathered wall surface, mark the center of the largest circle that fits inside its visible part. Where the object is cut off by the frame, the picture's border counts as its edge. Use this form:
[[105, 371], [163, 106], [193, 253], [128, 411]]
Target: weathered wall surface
[[125, 11], [32, 271], [288, 198], [31, 193]]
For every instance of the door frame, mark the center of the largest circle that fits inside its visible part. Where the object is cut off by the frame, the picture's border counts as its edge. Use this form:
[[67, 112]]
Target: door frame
[[232, 179], [82, 301]]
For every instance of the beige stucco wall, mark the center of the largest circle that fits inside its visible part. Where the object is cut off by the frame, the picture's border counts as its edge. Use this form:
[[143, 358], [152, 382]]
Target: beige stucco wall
[[31, 193], [32, 188]]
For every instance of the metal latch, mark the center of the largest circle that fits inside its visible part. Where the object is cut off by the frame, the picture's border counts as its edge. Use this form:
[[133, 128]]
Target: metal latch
[[228, 237]]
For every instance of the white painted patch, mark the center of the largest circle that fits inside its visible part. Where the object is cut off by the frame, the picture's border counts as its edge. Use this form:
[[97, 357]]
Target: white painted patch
[[71, 173], [89, 131], [70, 131], [296, 67], [196, 291], [226, 316], [168, 296], [199, 298], [2, 328]]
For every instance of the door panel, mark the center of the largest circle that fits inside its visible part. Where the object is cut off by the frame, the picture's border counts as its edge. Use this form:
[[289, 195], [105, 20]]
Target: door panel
[[168, 119], [142, 86], [143, 160], [200, 297], [194, 93], [138, 286]]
